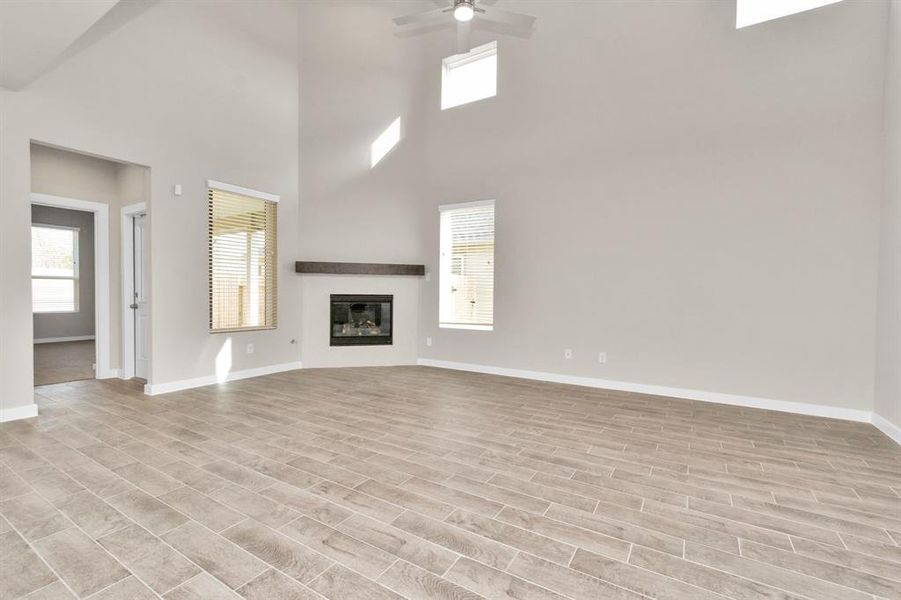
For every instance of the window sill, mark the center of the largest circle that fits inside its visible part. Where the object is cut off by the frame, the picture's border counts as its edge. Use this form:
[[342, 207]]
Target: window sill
[[54, 312], [466, 326], [240, 329]]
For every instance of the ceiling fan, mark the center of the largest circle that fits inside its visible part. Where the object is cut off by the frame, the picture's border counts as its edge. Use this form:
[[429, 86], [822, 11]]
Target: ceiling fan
[[463, 13]]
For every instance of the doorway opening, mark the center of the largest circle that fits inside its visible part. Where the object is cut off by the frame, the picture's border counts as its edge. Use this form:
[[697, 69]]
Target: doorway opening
[[63, 294], [135, 293], [82, 267]]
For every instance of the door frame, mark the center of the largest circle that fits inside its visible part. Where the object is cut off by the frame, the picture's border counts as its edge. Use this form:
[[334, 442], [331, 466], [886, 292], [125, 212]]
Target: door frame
[[102, 315], [127, 238]]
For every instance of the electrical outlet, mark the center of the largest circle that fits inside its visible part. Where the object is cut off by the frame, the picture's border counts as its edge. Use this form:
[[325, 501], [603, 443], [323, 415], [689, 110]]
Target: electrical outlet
[[567, 354], [428, 341], [602, 357], [249, 348]]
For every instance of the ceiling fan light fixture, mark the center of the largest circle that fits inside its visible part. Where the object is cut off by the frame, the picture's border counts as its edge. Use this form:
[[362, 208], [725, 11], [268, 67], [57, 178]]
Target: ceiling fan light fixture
[[464, 11]]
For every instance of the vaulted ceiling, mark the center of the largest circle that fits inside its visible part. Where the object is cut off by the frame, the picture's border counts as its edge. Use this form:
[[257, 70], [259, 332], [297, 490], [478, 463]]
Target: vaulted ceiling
[[37, 35]]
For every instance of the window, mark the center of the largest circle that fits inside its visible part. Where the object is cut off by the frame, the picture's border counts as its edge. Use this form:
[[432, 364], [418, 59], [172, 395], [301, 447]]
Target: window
[[54, 269], [751, 12], [469, 77], [466, 270], [242, 246]]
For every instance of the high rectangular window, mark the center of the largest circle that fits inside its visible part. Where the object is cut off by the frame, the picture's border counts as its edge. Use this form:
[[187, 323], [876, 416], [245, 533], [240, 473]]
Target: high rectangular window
[[751, 12], [242, 258], [466, 269], [469, 77], [54, 269]]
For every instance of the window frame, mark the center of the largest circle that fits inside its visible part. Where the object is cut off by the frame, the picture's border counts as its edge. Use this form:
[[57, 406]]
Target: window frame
[[455, 61], [254, 194], [76, 271], [442, 271]]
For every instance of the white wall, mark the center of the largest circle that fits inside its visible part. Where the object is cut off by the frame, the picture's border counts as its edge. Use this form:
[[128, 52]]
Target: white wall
[[356, 78], [185, 90], [888, 349], [701, 203], [316, 321]]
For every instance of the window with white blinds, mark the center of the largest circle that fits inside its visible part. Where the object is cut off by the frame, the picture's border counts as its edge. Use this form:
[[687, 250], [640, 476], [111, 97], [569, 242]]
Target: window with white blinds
[[243, 258], [466, 278], [54, 269]]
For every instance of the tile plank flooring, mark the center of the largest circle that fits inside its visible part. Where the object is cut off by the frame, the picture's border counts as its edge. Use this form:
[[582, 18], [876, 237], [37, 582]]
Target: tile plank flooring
[[411, 482]]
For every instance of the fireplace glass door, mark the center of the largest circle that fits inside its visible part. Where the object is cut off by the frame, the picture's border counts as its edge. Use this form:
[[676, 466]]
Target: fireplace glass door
[[361, 320]]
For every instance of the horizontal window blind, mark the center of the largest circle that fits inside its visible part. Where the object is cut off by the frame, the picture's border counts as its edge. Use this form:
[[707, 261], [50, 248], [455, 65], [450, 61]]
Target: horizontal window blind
[[243, 261], [466, 297], [54, 269]]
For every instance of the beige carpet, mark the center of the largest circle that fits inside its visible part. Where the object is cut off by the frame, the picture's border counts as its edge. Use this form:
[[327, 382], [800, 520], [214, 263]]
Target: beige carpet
[[63, 361]]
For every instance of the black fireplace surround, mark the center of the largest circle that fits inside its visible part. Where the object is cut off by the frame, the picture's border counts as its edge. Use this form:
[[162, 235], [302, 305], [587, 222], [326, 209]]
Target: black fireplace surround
[[361, 320]]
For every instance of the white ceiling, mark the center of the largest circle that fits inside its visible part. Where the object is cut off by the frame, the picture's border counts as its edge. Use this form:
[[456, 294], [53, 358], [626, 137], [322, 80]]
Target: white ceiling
[[34, 34]]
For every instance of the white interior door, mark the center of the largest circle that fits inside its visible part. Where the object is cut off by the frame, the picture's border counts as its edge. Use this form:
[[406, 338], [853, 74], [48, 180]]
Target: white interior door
[[141, 304]]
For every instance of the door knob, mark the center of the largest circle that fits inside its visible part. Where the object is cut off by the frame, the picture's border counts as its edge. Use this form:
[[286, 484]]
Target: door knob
[[133, 306]]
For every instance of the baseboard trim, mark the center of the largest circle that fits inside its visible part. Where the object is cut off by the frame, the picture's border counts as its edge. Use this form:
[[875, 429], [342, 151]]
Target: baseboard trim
[[802, 408], [73, 338], [887, 427], [20, 412], [153, 389], [109, 374]]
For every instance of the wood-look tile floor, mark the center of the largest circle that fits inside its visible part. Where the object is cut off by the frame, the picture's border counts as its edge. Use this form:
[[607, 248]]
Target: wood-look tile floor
[[412, 482]]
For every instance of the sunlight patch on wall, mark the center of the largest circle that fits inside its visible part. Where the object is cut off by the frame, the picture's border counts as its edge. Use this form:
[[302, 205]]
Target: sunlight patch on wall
[[224, 361], [385, 142]]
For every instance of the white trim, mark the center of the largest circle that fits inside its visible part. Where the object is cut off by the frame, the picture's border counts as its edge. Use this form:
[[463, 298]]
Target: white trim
[[111, 374], [471, 55], [802, 408], [473, 204], [71, 338], [102, 315], [74, 278], [471, 326], [236, 189], [186, 384], [20, 412], [887, 427], [126, 245]]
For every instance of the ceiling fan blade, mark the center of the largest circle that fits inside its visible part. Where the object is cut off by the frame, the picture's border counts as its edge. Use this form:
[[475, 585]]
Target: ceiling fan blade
[[429, 17], [462, 37], [506, 17]]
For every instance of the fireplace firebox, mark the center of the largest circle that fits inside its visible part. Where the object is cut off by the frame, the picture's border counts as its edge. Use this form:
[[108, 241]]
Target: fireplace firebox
[[361, 320]]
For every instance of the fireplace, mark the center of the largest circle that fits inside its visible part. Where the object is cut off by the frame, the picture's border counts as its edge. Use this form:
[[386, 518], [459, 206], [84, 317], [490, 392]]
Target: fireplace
[[361, 320]]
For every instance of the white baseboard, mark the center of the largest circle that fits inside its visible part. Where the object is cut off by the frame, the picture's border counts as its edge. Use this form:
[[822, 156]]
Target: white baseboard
[[108, 374], [73, 338], [20, 412], [186, 384], [817, 410], [887, 427]]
